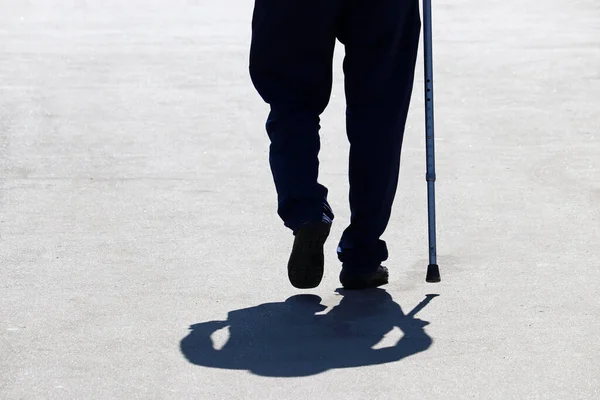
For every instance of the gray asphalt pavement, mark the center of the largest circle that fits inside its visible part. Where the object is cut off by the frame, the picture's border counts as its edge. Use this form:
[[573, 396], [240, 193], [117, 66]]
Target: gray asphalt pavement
[[141, 255]]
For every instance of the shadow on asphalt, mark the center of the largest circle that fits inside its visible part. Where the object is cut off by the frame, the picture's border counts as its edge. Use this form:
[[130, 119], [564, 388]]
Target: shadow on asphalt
[[288, 339]]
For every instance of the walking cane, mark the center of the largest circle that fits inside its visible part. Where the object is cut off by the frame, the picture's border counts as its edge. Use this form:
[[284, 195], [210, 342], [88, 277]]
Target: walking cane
[[433, 271]]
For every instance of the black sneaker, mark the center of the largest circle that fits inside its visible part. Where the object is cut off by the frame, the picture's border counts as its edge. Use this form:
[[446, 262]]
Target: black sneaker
[[363, 280], [305, 267]]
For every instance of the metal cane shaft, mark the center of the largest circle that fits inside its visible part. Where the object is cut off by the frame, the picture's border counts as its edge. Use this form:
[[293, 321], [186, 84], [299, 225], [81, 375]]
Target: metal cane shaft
[[429, 123]]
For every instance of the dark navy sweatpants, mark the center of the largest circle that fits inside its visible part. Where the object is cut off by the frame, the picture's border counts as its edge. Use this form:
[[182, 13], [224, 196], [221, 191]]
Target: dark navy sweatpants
[[291, 67]]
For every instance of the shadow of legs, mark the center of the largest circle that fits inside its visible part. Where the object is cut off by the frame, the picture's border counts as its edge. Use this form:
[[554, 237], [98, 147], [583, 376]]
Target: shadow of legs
[[287, 339]]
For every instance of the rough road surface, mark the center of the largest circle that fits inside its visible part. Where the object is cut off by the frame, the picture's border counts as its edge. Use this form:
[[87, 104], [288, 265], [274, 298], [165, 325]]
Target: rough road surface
[[136, 201]]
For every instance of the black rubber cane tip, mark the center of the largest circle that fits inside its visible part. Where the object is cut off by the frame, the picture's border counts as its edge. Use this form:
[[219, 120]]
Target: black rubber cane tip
[[433, 273]]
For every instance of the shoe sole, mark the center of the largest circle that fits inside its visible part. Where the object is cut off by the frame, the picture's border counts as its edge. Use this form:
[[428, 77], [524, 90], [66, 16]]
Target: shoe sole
[[306, 264]]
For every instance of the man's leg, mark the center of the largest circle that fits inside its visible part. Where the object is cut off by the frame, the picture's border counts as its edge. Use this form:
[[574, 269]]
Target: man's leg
[[381, 39], [291, 67]]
